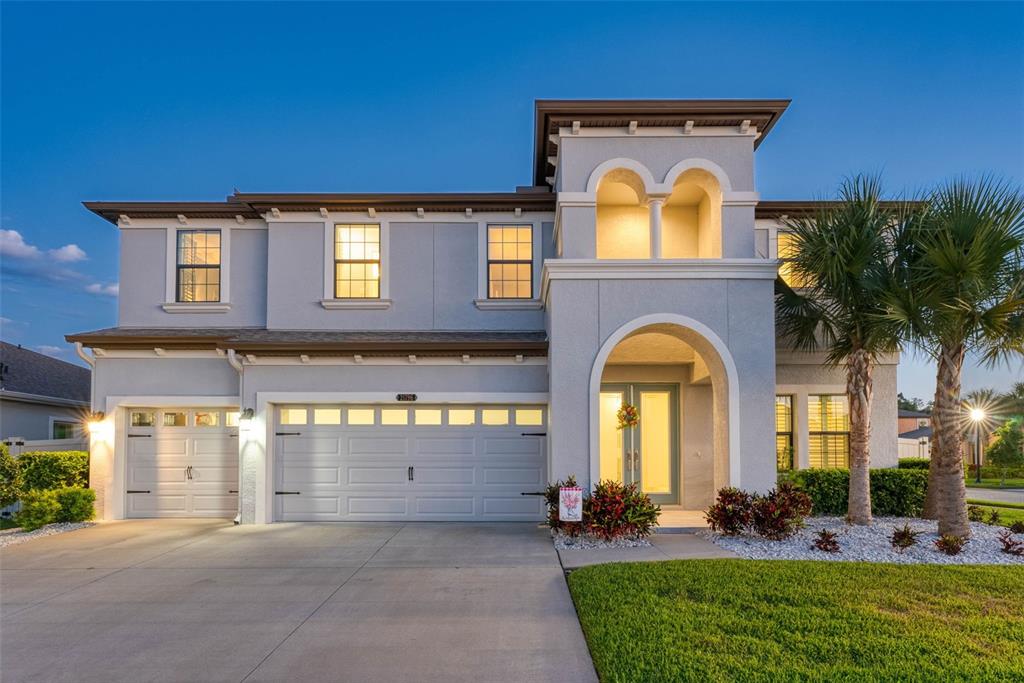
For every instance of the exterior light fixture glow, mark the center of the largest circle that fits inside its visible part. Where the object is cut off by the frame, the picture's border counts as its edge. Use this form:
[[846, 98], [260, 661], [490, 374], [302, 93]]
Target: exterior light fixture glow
[[977, 414]]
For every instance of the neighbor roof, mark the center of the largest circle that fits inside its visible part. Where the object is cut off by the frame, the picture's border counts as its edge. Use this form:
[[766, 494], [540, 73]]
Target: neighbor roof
[[919, 433], [550, 115], [912, 413], [34, 374], [282, 342]]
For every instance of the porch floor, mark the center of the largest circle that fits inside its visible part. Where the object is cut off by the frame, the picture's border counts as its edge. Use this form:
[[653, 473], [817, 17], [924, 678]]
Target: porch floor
[[674, 517]]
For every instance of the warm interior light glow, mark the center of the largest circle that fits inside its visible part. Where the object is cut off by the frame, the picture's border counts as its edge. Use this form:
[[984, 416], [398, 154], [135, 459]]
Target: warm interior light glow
[[101, 430], [977, 414]]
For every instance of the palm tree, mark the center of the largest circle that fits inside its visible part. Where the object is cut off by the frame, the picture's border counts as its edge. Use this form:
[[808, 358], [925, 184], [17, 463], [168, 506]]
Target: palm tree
[[960, 260], [840, 268]]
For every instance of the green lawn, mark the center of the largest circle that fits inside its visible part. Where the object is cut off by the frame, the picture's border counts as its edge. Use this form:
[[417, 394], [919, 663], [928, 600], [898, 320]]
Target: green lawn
[[746, 620], [994, 483], [1008, 512]]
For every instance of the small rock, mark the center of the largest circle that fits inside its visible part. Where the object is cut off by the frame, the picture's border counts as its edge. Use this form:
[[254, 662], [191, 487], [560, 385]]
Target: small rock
[[564, 542], [48, 530]]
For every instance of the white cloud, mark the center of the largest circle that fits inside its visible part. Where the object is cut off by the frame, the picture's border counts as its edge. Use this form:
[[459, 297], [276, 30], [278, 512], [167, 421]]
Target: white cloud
[[69, 253], [14, 245], [50, 350], [107, 290]]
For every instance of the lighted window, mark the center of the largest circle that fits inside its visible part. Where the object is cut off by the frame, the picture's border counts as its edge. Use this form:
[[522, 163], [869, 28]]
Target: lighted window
[[356, 261], [461, 417], [231, 418], [529, 417], [293, 416], [327, 416], [207, 419], [784, 432], [394, 416], [65, 430], [175, 419], [509, 261], [787, 253], [198, 265], [428, 416], [143, 418], [828, 424], [360, 416], [493, 416]]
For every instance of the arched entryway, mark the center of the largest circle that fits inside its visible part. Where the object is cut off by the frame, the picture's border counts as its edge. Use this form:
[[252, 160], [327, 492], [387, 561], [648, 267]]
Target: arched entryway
[[680, 376]]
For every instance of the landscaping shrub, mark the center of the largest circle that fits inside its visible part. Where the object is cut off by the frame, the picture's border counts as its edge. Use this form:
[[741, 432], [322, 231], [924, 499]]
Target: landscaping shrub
[[903, 538], [826, 541], [914, 463], [949, 544], [38, 508], [975, 513], [612, 511], [76, 504], [10, 478], [992, 472], [894, 492], [1011, 545], [994, 518], [617, 510], [731, 512], [44, 470], [781, 513], [1017, 527]]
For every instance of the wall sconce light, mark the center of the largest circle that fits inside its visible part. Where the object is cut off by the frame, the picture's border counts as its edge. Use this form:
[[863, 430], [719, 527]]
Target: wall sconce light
[[247, 414]]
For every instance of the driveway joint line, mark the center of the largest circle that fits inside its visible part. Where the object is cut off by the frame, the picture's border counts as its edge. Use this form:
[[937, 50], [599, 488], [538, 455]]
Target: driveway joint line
[[325, 601]]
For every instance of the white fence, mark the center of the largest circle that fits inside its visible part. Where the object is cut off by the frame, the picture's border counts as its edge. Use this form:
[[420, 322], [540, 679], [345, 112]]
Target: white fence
[[914, 448]]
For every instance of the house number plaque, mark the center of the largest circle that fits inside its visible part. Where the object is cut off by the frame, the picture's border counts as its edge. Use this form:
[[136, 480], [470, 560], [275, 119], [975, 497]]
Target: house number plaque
[[405, 397]]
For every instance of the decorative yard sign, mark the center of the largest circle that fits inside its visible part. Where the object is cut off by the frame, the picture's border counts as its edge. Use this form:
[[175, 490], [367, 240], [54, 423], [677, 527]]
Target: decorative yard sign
[[570, 504]]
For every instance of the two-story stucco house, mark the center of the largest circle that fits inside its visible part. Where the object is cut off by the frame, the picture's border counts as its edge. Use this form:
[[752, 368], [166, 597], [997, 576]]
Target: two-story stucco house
[[435, 356]]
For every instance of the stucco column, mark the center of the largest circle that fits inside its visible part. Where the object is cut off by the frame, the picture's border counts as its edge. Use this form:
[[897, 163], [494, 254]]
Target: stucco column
[[656, 203]]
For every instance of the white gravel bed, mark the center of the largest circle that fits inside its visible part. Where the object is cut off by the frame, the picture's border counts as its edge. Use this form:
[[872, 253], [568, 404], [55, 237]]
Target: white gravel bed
[[14, 537], [563, 542], [871, 543]]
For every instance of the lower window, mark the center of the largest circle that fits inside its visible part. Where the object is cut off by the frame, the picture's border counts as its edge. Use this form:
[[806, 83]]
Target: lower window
[[828, 422], [784, 432], [65, 430]]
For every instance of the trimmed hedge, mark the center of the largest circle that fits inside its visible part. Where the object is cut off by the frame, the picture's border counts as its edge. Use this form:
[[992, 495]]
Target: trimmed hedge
[[10, 478], [38, 508], [45, 470], [76, 504], [993, 472], [914, 463], [894, 492]]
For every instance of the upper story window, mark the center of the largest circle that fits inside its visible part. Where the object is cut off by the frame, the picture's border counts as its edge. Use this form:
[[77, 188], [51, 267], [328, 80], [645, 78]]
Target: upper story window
[[787, 252], [510, 261], [357, 261], [198, 266]]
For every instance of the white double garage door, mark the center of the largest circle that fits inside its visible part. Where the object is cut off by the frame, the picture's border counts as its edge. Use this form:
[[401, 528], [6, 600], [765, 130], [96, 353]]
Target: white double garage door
[[417, 463]]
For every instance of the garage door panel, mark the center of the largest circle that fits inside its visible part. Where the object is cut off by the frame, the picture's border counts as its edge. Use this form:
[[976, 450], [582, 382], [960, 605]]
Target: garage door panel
[[377, 505], [383, 445], [297, 475], [436, 475], [151, 505], [496, 506], [373, 475], [461, 506], [215, 504], [444, 446], [512, 445], [141, 476], [303, 447], [525, 476], [214, 475], [151, 446]]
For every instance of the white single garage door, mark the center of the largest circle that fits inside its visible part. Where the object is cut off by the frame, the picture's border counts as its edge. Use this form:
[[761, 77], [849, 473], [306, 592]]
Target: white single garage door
[[423, 463], [182, 462]]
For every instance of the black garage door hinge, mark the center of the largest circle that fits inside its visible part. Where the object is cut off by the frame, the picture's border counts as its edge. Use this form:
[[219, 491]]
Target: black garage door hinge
[[139, 436], [533, 434], [131, 491], [287, 493], [287, 433]]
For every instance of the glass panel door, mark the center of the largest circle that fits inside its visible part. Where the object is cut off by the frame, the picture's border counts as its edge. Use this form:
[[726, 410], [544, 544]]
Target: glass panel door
[[612, 442], [647, 454]]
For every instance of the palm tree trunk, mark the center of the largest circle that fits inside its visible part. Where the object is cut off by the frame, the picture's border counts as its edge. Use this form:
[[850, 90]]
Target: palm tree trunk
[[858, 392], [946, 491]]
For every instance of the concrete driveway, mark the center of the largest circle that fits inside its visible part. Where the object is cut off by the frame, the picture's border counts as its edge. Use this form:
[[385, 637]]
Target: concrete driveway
[[195, 600]]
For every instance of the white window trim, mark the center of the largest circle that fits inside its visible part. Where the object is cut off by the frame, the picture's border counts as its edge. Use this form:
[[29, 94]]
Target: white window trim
[[483, 301], [171, 303], [383, 302], [79, 432]]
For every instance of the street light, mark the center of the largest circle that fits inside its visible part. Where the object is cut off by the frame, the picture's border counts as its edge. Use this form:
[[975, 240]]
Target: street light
[[977, 416]]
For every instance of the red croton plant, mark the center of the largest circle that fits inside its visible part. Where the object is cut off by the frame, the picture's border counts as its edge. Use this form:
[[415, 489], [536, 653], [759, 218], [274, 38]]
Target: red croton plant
[[612, 511]]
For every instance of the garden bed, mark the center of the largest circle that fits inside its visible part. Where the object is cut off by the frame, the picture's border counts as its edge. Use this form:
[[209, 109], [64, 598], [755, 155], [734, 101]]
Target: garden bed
[[15, 536], [567, 542], [871, 543]]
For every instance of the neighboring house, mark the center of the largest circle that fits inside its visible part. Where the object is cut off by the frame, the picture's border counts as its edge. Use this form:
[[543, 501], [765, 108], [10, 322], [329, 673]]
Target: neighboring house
[[915, 433], [41, 398], [436, 356]]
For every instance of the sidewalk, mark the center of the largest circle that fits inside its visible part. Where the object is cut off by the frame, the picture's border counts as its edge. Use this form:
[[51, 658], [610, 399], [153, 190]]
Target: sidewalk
[[671, 546], [997, 495]]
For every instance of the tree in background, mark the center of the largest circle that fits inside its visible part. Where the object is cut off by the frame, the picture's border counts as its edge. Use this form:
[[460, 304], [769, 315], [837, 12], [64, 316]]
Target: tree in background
[[1007, 448], [915, 404]]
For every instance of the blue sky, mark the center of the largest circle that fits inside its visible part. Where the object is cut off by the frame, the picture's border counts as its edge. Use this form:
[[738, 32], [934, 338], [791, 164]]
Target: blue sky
[[153, 101]]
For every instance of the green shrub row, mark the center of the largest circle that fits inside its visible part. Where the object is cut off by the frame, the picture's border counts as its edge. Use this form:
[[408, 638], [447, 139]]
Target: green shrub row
[[40, 471], [70, 504], [894, 492], [914, 463]]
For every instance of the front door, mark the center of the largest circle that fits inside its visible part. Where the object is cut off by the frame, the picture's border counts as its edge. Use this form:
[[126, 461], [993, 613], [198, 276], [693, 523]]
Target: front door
[[646, 454]]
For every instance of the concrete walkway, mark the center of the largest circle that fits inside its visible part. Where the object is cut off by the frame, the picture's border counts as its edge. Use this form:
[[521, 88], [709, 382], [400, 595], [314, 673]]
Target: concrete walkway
[[198, 600], [664, 546], [997, 495]]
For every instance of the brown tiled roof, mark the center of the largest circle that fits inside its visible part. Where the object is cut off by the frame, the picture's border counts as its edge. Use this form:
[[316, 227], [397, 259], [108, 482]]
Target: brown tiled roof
[[28, 372], [280, 342]]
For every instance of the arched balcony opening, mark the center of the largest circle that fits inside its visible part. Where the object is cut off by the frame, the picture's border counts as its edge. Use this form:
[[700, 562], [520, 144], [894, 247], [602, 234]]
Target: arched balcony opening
[[692, 217], [623, 219]]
